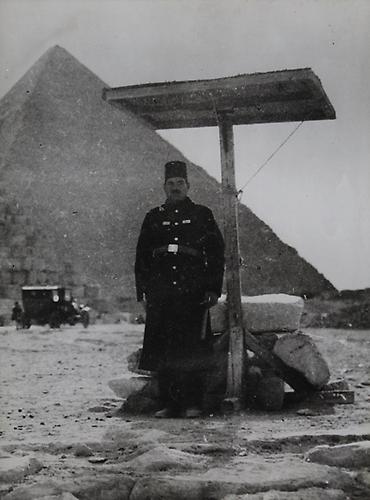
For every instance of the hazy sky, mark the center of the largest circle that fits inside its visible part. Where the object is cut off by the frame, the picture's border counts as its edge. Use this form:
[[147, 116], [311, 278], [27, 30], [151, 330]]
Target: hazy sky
[[314, 193]]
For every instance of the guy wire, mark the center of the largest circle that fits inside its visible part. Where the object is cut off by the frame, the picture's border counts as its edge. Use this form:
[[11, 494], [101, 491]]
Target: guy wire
[[240, 191]]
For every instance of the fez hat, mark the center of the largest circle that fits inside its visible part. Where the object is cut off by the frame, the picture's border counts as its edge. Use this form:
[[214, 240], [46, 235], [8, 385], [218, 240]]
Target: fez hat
[[175, 169]]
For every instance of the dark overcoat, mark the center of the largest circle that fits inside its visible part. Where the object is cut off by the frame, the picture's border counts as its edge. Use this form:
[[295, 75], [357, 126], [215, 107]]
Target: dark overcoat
[[179, 256]]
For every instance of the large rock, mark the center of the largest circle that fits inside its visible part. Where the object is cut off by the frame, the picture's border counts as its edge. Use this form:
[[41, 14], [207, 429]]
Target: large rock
[[246, 475], [162, 458], [43, 491], [351, 455], [305, 494], [299, 352], [14, 469], [262, 313], [167, 489]]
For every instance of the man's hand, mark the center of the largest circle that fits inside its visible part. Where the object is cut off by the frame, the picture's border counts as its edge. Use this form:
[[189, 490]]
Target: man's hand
[[143, 304], [210, 299]]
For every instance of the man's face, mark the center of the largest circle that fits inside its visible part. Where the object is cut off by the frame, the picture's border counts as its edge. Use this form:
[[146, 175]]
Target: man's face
[[176, 189]]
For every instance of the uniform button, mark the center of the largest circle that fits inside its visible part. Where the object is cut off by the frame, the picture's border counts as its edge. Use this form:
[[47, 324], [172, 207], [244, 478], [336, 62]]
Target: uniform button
[[176, 223], [175, 282], [174, 267], [176, 239], [176, 211]]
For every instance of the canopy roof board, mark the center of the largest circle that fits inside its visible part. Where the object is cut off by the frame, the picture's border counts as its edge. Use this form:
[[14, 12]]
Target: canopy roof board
[[276, 96]]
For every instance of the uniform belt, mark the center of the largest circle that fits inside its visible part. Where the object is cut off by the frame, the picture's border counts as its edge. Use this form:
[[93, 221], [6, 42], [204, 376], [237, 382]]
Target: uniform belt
[[172, 248]]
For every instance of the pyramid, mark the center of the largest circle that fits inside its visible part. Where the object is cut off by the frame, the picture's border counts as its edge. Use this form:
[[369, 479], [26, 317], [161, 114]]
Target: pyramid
[[86, 172]]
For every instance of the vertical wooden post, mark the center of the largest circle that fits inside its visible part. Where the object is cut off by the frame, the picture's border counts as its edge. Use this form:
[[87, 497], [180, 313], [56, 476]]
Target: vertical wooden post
[[234, 394]]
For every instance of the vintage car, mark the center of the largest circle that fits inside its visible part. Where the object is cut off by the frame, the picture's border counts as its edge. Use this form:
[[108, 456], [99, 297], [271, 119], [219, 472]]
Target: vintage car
[[51, 305]]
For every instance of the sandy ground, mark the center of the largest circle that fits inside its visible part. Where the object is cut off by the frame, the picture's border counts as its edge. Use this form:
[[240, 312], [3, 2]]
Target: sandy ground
[[59, 424]]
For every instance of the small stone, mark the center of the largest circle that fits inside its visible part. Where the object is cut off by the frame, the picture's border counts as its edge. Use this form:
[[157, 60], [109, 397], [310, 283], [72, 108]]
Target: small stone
[[82, 450], [270, 393], [306, 412], [99, 409], [98, 460], [34, 466], [336, 385]]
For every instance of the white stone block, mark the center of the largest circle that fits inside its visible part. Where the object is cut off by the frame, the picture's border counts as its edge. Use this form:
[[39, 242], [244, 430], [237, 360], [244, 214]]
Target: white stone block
[[262, 313]]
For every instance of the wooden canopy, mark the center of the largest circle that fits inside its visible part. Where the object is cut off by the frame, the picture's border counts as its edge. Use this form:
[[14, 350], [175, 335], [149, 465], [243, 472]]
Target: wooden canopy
[[276, 96]]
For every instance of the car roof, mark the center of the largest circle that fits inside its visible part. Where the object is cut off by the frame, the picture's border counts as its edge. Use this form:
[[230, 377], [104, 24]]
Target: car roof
[[45, 287]]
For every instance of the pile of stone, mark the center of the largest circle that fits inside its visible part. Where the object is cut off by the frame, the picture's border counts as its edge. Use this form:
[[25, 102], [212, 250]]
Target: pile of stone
[[274, 321]]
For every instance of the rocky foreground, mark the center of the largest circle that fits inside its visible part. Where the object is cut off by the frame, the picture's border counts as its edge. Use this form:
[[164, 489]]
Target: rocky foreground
[[64, 437]]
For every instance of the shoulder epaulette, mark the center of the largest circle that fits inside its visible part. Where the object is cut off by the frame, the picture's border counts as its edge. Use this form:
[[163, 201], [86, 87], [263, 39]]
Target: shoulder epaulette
[[155, 210]]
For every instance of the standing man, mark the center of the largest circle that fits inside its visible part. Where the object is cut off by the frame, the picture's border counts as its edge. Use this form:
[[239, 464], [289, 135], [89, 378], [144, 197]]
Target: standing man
[[179, 270], [17, 315]]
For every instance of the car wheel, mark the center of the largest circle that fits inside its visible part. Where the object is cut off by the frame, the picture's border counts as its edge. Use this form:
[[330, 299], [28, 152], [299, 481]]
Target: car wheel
[[54, 321], [26, 322], [85, 318]]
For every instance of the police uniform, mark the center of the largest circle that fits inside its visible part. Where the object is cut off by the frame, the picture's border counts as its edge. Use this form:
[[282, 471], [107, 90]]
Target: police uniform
[[180, 256]]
